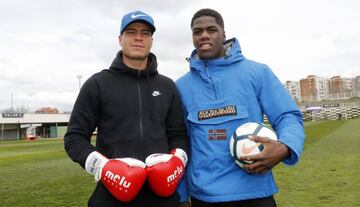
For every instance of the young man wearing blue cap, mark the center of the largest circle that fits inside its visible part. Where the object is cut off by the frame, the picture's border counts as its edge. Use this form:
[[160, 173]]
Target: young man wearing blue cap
[[139, 156], [232, 90]]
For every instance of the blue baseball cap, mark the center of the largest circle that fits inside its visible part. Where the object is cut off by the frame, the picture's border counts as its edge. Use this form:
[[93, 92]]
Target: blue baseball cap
[[137, 16]]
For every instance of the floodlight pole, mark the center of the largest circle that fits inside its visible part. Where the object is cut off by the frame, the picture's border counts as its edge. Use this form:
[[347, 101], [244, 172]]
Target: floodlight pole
[[79, 77], [12, 103]]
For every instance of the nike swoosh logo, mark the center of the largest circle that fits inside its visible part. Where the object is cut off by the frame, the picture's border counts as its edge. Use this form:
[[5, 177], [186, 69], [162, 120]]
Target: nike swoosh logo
[[156, 93], [133, 16], [247, 150]]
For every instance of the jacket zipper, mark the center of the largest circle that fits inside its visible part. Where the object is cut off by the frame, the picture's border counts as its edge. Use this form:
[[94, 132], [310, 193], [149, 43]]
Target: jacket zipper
[[212, 82], [140, 108]]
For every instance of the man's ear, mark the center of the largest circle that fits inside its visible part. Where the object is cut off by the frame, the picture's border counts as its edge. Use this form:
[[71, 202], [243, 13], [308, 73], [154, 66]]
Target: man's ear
[[224, 37], [120, 38], [152, 39]]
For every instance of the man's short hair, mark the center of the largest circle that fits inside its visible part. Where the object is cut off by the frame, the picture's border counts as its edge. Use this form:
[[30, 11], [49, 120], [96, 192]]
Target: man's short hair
[[210, 13]]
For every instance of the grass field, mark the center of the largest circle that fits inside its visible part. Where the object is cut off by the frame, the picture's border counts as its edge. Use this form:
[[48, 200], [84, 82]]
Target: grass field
[[39, 173], [328, 174]]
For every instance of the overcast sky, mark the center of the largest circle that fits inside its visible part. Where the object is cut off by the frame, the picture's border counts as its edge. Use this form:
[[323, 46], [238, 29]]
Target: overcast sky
[[45, 44]]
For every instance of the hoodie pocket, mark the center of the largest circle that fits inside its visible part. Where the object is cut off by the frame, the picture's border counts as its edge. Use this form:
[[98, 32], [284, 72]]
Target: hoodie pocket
[[210, 126], [215, 121]]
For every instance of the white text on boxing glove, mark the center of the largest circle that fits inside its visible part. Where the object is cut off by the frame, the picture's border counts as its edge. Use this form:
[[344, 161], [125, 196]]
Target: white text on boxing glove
[[165, 171]]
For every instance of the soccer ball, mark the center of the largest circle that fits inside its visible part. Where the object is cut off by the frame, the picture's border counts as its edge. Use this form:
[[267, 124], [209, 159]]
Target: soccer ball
[[240, 145]]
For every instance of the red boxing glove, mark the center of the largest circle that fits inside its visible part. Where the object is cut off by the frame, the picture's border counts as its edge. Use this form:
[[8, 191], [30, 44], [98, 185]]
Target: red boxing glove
[[123, 177], [165, 171]]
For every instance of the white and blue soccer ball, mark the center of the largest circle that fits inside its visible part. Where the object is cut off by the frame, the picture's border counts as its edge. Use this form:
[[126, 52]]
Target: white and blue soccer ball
[[241, 145]]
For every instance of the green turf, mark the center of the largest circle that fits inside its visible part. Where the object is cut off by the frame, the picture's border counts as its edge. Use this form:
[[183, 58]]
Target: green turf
[[328, 172], [39, 173]]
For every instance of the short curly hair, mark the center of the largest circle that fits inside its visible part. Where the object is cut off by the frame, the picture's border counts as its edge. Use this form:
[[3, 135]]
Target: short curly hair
[[211, 13]]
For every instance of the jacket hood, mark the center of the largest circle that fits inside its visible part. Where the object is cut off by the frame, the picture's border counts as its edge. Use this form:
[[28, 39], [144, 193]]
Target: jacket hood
[[119, 65], [232, 54]]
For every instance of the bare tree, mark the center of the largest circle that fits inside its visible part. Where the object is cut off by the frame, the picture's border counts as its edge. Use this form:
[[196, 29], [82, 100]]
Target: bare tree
[[19, 109]]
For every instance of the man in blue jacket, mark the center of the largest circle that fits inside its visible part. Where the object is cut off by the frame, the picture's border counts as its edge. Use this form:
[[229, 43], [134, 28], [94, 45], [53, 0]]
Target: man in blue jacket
[[221, 78]]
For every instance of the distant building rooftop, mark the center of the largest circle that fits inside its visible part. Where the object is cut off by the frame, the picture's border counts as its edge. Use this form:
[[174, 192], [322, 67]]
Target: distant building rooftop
[[18, 118]]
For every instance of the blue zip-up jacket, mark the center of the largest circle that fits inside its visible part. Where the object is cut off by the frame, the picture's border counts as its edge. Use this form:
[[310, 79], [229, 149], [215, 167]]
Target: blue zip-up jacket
[[218, 96]]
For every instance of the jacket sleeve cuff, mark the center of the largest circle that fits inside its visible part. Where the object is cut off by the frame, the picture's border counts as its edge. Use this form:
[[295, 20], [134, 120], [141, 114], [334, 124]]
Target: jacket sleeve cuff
[[292, 159]]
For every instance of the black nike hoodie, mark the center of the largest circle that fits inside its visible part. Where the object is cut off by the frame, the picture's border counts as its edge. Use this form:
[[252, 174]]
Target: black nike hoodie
[[136, 113]]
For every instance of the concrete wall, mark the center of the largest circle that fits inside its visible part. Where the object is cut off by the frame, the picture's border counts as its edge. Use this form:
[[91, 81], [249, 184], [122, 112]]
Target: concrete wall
[[333, 113]]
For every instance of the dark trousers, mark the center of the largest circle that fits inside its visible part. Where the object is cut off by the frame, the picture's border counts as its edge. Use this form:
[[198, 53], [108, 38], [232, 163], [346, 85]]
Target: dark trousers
[[258, 202], [146, 198]]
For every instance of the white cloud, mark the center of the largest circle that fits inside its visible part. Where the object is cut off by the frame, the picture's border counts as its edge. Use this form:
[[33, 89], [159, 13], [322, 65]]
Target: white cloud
[[45, 44]]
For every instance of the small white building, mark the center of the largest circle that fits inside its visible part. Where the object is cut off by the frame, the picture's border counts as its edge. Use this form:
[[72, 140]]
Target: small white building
[[14, 125]]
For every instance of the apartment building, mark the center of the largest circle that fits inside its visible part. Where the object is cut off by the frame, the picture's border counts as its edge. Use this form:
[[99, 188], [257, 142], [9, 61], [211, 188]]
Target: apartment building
[[356, 86], [294, 89], [314, 88], [340, 88]]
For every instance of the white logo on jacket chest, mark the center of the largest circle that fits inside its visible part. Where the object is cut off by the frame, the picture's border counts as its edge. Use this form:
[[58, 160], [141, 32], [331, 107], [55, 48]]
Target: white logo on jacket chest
[[156, 93]]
